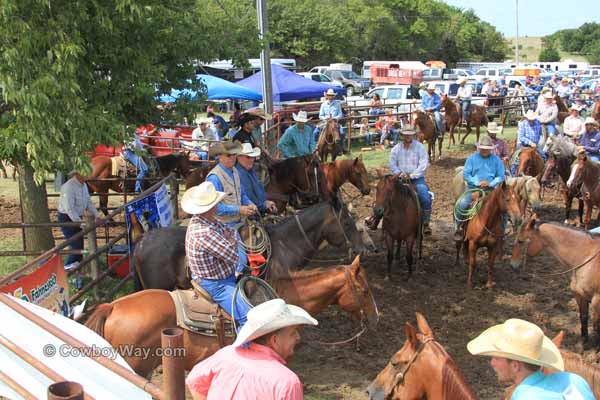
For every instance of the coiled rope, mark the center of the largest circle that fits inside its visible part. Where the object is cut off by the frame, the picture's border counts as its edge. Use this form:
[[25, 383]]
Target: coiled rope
[[259, 243], [239, 291], [468, 214]]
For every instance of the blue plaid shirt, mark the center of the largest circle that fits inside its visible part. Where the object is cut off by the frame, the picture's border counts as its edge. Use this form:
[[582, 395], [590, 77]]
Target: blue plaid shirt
[[431, 101], [529, 134], [412, 161]]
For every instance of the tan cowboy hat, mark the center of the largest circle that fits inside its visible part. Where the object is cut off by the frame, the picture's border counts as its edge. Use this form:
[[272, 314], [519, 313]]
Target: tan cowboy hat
[[200, 199], [330, 92], [548, 95], [271, 316], [494, 128], [226, 147], [247, 150], [422, 85], [461, 80], [486, 143], [302, 116], [592, 121], [519, 340], [408, 131], [565, 79], [530, 115], [580, 149], [205, 120], [431, 86], [575, 107], [260, 113], [545, 89]]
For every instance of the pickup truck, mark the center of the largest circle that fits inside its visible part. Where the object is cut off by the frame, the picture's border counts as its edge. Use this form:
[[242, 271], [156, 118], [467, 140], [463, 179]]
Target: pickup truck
[[351, 81], [397, 95]]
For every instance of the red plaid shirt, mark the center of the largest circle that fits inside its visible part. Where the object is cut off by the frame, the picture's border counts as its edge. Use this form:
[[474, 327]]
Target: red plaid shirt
[[211, 249]]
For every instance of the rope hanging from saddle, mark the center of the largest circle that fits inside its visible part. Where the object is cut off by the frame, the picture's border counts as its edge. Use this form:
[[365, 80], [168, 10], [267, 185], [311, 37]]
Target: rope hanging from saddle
[[262, 288], [469, 213], [258, 248]]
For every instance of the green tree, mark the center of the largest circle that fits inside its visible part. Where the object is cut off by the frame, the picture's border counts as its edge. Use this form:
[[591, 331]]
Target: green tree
[[594, 55], [549, 54]]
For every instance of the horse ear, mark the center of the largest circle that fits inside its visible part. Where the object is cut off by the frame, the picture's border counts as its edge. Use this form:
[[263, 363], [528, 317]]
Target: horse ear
[[503, 185], [558, 339], [355, 161], [356, 266], [411, 334], [423, 325]]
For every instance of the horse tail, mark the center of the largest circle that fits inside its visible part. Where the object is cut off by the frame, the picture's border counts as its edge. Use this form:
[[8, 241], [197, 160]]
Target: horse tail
[[99, 317], [484, 120]]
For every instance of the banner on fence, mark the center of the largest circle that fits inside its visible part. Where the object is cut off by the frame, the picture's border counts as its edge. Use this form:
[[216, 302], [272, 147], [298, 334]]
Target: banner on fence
[[151, 212], [47, 286]]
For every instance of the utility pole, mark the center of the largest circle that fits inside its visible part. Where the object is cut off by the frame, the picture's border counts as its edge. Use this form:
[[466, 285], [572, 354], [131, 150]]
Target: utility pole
[[265, 57], [517, 39]]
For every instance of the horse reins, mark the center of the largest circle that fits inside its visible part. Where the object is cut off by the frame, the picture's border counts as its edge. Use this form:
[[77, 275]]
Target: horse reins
[[575, 268], [399, 378], [337, 218]]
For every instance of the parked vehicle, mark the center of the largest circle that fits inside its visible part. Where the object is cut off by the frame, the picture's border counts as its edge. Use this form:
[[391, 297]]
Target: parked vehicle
[[492, 73], [431, 74], [451, 89], [384, 73], [318, 77], [412, 65], [397, 95], [589, 73], [320, 69], [351, 81]]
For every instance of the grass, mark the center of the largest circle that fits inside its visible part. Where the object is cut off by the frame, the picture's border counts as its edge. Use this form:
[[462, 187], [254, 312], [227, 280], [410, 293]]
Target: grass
[[531, 46], [10, 264]]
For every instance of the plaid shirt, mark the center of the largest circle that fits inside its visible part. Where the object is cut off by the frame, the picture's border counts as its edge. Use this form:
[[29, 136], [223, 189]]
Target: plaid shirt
[[211, 249], [412, 161]]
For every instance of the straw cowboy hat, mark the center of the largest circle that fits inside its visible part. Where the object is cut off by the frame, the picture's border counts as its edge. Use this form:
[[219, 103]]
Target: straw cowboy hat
[[575, 107], [260, 113], [200, 199], [300, 117], [422, 85], [226, 147], [519, 340], [565, 80], [530, 115], [330, 92], [486, 143], [580, 149], [247, 117], [460, 80], [408, 131], [205, 120], [592, 121], [494, 128], [545, 89], [247, 150], [271, 316], [431, 86], [548, 95]]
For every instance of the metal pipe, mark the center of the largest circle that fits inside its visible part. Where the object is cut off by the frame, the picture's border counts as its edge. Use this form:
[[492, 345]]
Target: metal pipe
[[172, 363], [14, 385], [265, 57], [65, 390], [118, 369]]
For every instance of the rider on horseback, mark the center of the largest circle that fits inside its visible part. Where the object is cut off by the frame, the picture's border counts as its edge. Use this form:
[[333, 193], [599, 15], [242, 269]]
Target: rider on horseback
[[409, 161], [590, 140], [464, 96], [432, 103], [331, 109], [547, 114], [249, 179], [298, 139], [529, 135], [131, 152]]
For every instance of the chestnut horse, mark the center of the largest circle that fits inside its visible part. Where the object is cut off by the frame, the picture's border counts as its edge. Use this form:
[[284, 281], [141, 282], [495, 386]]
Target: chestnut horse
[[427, 132], [589, 172], [563, 110], [452, 116], [328, 143], [485, 229], [421, 369], [138, 319], [577, 252], [531, 163], [477, 117], [341, 171], [397, 203]]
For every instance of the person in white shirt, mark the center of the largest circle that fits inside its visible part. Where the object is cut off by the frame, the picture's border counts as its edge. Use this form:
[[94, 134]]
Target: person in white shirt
[[541, 100], [74, 201], [564, 90], [464, 97], [203, 131], [486, 90], [573, 125], [547, 113]]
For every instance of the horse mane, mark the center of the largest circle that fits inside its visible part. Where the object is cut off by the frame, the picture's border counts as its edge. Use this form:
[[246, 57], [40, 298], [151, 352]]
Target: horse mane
[[575, 364], [326, 132], [286, 167], [454, 384]]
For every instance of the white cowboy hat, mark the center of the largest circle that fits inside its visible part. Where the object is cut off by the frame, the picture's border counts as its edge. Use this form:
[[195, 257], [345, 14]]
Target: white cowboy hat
[[301, 116], [548, 95], [530, 115], [330, 92], [590, 120], [486, 143], [408, 131], [203, 121], [247, 150], [271, 316], [519, 340], [199, 199], [431, 86], [422, 85], [494, 128], [461, 80], [576, 107]]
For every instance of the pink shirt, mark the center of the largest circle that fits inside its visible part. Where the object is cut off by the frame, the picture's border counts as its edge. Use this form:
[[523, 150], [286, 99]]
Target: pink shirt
[[253, 373]]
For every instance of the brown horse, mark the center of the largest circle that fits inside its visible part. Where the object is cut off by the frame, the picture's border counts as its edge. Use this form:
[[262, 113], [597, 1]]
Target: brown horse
[[485, 229], [138, 319], [589, 173], [102, 169], [577, 251], [421, 369], [341, 171], [427, 132], [477, 118], [452, 116], [396, 203], [199, 174], [290, 176], [531, 163], [563, 110], [596, 111], [328, 143]]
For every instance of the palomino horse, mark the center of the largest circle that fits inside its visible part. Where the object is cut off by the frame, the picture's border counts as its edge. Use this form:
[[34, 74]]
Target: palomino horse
[[452, 116], [427, 132], [477, 118], [328, 143], [421, 369], [341, 171], [102, 169], [159, 256], [589, 172], [577, 252], [138, 319], [531, 162], [397, 203], [562, 152], [485, 229]]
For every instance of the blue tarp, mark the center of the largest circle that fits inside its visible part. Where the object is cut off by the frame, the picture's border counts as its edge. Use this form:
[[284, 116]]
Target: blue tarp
[[288, 85], [217, 89]]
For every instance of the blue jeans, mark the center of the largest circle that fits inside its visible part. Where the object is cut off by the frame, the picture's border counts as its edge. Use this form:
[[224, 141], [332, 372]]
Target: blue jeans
[[515, 164], [141, 166], [368, 138], [392, 132], [423, 193], [466, 105], [221, 291], [438, 121], [203, 155], [551, 129], [594, 157], [375, 111], [69, 231]]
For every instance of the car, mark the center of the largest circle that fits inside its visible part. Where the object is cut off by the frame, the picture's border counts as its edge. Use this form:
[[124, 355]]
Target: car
[[322, 78], [397, 95], [350, 80], [451, 89], [319, 69], [492, 73]]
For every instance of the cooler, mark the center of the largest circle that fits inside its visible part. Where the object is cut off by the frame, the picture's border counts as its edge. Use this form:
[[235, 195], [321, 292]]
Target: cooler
[[114, 254]]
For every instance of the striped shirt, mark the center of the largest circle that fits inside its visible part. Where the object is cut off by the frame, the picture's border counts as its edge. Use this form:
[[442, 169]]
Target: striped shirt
[[211, 249], [412, 161]]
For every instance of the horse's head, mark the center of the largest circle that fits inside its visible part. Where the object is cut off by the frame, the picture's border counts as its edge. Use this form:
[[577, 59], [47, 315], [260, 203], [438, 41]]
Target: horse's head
[[413, 368], [340, 228], [359, 177], [549, 144], [577, 169], [383, 193], [526, 236], [533, 191], [509, 203], [356, 297], [183, 165]]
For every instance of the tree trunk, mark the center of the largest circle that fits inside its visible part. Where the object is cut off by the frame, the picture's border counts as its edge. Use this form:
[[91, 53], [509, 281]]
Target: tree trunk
[[35, 210]]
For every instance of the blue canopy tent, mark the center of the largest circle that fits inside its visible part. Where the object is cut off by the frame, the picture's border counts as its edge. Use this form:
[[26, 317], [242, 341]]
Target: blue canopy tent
[[217, 89], [288, 85]]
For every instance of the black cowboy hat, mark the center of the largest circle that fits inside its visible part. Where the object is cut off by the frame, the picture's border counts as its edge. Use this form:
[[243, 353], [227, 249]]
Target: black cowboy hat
[[246, 117]]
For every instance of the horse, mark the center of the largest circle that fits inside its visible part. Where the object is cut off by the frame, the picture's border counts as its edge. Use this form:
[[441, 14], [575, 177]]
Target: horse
[[137, 320], [199, 174], [290, 176], [563, 110], [421, 369], [485, 229], [577, 251], [531, 162], [328, 141], [102, 169], [341, 171], [159, 257], [589, 172], [596, 111], [397, 203], [427, 132], [562, 152], [452, 117], [477, 118]]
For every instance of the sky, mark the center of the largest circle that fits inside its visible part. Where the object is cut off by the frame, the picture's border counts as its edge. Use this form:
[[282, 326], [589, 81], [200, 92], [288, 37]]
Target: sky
[[536, 17]]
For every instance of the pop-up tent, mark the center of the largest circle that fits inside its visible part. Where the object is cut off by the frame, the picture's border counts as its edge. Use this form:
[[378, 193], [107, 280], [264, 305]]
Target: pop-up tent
[[217, 89], [288, 85]]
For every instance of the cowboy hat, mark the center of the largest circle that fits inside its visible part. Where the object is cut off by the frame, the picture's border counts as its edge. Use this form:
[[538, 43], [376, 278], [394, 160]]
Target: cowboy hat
[[590, 120], [519, 340], [548, 95], [530, 115], [247, 150], [205, 120], [422, 85], [271, 316], [200, 199], [431, 86], [580, 149], [565, 79], [494, 128], [409, 130], [545, 89], [260, 113], [301, 116], [330, 92], [460, 80], [226, 147], [486, 143], [247, 117], [575, 107]]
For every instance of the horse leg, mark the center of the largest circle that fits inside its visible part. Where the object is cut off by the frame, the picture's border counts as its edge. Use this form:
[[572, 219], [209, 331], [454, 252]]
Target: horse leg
[[459, 246], [410, 243], [588, 214], [583, 305], [579, 210], [467, 132], [104, 201], [440, 143], [3, 169], [472, 261], [596, 317], [389, 244], [477, 129], [490, 272]]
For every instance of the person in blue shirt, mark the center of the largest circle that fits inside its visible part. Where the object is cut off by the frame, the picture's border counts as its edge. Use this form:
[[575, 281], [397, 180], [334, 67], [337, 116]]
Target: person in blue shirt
[[249, 179], [298, 139], [331, 109], [589, 142], [483, 170], [221, 126], [519, 349], [132, 152], [432, 102], [529, 134]]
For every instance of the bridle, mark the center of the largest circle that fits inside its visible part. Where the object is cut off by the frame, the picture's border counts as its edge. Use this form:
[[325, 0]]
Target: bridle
[[401, 374], [307, 190], [338, 217]]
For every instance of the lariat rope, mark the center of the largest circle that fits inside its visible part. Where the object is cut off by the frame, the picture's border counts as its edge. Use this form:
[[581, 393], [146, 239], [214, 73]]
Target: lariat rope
[[468, 214]]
